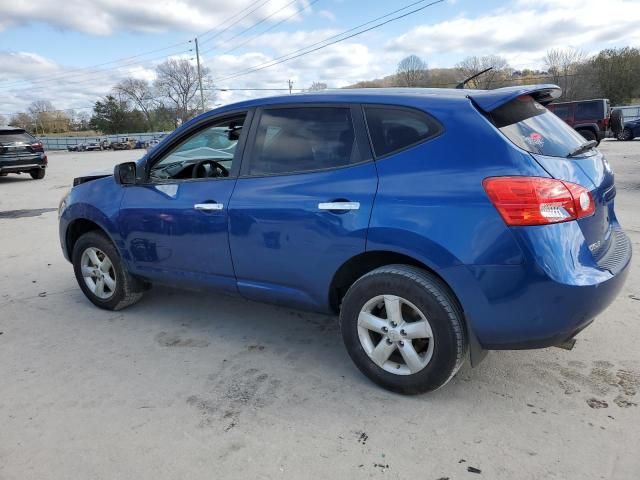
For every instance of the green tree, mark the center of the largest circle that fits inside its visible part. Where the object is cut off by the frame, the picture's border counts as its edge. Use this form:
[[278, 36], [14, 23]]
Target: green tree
[[617, 74], [109, 115]]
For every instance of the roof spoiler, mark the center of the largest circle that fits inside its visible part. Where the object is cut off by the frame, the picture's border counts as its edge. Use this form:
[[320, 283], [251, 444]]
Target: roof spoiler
[[489, 100]]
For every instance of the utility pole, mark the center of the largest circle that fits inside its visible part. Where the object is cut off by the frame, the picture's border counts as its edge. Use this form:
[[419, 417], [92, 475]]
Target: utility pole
[[199, 75], [290, 86]]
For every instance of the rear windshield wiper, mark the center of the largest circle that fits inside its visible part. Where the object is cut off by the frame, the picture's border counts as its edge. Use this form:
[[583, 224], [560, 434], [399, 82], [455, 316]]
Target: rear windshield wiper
[[583, 148]]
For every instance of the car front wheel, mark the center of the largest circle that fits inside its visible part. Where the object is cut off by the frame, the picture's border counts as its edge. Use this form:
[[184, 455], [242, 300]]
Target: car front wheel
[[101, 274], [403, 329]]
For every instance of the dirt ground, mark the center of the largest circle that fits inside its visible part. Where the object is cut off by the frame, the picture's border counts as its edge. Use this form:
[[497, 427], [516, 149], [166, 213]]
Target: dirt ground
[[194, 386]]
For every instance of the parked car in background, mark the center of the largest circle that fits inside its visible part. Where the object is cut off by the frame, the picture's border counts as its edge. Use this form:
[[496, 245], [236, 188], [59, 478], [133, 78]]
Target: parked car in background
[[631, 130], [97, 144], [20, 152], [629, 112], [79, 147], [366, 204], [124, 143], [593, 119]]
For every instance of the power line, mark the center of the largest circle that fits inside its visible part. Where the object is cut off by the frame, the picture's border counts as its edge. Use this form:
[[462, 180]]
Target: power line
[[262, 20], [95, 68], [307, 50], [275, 25], [217, 34]]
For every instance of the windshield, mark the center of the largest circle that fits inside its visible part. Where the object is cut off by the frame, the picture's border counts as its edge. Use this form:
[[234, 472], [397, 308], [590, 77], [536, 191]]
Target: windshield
[[535, 129]]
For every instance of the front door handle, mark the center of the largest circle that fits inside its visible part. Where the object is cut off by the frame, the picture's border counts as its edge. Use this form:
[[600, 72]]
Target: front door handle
[[209, 207], [339, 206]]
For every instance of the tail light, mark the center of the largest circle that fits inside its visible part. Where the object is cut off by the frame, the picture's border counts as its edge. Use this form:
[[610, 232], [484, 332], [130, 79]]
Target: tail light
[[37, 146], [538, 201]]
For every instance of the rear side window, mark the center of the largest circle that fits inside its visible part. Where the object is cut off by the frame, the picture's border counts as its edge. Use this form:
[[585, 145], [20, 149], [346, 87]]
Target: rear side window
[[394, 129], [590, 111], [293, 140], [534, 128], [563, 111], [13, 137]]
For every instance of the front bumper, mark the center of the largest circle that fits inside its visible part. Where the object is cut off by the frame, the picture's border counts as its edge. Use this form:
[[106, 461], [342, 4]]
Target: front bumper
[[548, 299]]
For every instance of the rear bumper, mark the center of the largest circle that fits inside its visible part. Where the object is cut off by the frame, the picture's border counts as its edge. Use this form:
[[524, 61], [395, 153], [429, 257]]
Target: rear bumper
[[22, 165], [551, 297]]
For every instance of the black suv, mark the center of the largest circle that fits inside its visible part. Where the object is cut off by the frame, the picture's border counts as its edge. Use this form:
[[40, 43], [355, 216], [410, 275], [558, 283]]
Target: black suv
[[593, 119], [21, 153]]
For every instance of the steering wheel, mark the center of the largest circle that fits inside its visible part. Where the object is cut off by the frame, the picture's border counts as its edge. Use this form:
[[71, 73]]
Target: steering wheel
[[215, 166]]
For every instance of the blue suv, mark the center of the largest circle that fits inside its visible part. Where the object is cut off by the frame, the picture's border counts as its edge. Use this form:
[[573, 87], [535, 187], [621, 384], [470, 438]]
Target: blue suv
[[436, 223]]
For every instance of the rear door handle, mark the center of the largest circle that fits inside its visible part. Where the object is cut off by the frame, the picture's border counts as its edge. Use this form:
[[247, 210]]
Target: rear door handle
[[339, 206], [209, 207]]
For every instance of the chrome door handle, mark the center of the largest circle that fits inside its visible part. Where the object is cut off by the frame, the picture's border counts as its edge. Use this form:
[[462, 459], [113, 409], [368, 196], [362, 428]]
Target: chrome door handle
[[339, 206], [209, 207]]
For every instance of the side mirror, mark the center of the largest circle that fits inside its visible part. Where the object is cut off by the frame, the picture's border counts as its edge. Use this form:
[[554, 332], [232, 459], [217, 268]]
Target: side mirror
[[125, 173]]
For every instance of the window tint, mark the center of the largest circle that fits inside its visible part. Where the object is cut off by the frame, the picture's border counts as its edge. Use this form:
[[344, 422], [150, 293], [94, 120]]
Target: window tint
[[392, 129], [563, 111], [15, 137], [589, 111], [216, 142], [534, 128], [301, 139]]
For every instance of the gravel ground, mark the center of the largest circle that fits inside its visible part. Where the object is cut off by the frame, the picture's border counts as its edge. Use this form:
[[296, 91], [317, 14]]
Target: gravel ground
[[200, 386]]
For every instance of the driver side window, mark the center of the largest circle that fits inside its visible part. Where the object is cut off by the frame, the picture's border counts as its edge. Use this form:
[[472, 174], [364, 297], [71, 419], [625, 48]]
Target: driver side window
[[207, 153]]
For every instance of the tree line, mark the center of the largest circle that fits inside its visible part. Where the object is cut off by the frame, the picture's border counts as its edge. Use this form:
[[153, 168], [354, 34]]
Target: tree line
[[612, 73]]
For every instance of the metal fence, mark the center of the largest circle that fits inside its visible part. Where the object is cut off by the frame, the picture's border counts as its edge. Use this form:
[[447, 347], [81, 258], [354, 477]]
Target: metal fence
[[62, 143]]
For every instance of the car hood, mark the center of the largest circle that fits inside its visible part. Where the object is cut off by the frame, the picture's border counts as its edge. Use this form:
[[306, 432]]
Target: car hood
[[92, 176]]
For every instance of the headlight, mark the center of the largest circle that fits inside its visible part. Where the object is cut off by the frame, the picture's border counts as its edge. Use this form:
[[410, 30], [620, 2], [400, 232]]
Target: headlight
[[63, 203]]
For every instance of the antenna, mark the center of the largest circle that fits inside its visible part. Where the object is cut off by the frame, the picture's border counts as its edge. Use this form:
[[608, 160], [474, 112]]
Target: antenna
[[466, 80]]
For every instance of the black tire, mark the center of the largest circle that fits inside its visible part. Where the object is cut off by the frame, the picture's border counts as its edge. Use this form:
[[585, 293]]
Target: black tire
[[616, 122], [625, 135], [37, 174], [588, 135], [434, 300], [128, 290]]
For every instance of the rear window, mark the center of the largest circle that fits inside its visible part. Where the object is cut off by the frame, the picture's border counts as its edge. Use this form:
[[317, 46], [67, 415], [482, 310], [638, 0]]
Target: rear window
[[394, 129], [590, 111], [534, 128], [14, 137]]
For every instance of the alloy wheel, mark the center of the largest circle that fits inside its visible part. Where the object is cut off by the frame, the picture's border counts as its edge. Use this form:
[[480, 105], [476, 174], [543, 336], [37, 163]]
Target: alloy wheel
[[395, 335], [98, 273]]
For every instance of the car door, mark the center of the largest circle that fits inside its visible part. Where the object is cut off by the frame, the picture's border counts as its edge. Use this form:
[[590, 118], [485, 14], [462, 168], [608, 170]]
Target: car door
[[175, 224], [302, 204]]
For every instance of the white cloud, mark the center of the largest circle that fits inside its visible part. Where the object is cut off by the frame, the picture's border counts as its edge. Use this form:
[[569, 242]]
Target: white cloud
[[328, 14], [103, 17], [525, 31]]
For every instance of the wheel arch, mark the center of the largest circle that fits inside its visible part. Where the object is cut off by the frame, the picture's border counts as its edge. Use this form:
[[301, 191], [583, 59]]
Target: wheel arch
[[367, 261], [79, 227], [360, 264]]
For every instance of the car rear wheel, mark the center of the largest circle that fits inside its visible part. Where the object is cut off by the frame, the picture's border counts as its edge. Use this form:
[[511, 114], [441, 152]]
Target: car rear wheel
[[403, 329], [101, 274], [37, 174], [625, 135]]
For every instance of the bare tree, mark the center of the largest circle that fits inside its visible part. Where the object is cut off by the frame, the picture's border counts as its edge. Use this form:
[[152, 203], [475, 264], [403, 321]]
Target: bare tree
[[3, 121], [140, 93], [22, 120], [412, 71], [317, 86], [563, 65], [499, 72], [177, 80], [42, 112]]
